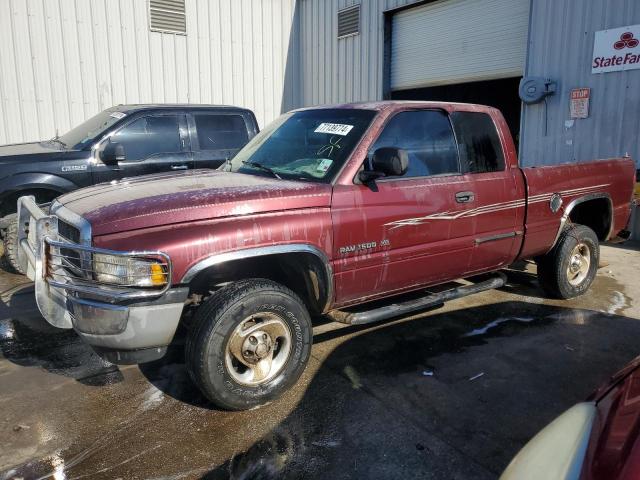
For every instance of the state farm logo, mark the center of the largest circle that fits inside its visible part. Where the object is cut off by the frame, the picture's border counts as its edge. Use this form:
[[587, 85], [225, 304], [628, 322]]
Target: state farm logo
[[616, 49], [626, 41]]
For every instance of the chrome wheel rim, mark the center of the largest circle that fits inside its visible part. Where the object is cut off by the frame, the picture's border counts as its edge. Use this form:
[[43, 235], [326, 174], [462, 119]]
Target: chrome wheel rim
[[579, 264], [258, 349]]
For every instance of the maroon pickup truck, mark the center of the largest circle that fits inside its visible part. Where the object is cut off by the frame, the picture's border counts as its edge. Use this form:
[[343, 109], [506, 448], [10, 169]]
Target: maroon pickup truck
[[326, 208]]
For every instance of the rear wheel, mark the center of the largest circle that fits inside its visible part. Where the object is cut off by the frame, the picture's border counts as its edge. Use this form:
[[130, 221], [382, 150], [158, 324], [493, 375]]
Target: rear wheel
[[249, 343], [569, 269]]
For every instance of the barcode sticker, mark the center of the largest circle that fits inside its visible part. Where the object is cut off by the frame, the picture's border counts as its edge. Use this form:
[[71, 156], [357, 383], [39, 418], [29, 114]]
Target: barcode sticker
[[334, 128], [118, 115], [324, 165]]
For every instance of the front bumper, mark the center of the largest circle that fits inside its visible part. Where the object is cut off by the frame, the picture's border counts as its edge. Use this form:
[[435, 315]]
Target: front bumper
[[128, 333], [117, 321]]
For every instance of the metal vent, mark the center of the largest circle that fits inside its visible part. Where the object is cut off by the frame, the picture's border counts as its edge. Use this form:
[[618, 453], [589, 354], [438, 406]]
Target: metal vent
[[349, 21], [167, 16]]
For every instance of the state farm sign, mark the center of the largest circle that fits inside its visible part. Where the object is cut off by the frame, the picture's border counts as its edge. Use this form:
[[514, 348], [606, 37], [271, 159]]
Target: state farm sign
[[616, 49]]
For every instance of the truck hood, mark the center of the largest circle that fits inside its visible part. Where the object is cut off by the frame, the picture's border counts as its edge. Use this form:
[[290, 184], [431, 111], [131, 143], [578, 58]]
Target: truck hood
[[163, 199], [22, 152], [31, 148]]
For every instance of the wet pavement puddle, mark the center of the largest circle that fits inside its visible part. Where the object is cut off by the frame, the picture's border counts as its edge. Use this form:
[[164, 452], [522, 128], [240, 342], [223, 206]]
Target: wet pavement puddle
[[365, 409]]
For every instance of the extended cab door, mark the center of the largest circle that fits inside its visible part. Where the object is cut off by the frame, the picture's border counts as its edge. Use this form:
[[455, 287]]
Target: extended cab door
[[153, 143], [496, 190], [406, 231], [218, 136]]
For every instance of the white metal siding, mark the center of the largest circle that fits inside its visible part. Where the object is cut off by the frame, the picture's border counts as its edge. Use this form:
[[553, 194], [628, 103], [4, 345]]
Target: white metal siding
[[457, 41], [62, 61]]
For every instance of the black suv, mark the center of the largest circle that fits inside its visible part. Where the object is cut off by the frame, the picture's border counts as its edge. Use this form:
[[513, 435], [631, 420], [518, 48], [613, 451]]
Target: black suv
[[122, 141]]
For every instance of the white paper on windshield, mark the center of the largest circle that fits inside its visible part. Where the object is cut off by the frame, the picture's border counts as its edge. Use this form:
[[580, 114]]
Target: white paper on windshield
[[324, 165], [118, 115], [334, 128]]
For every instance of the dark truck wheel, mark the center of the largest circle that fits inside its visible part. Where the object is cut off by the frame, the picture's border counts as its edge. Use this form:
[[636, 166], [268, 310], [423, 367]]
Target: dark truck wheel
[[248, 344], [10, 240], [9, 227], [569, 269]]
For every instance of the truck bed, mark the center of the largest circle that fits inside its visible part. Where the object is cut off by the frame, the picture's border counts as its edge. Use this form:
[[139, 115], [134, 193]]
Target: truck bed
[[610, 180]]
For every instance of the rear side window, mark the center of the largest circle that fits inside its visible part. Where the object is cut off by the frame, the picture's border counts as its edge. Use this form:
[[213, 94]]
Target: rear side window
[[478, 142], [149, 136], [217, 132], [427, 137]]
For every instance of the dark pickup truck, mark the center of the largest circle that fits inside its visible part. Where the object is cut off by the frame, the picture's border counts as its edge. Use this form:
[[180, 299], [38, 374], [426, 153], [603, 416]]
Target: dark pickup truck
[[122, 141]]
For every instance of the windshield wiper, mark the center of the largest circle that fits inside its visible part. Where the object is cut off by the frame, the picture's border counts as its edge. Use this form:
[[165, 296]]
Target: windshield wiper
[[264, 168], [58, 141]]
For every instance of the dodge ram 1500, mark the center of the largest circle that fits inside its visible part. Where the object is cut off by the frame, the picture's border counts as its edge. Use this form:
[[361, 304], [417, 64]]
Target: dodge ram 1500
[[326, 208]]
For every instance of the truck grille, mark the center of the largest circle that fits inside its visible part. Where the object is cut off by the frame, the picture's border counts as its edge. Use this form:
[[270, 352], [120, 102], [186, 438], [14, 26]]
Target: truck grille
[[68, 232], [70, 258]]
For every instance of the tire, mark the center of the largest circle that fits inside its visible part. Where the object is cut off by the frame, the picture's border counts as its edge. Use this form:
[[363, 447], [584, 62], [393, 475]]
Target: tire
[[569, 269], [11, 246], [265, 309]]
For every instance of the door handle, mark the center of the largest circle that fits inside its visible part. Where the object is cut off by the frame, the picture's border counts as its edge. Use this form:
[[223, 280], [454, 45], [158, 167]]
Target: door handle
[[179, 167], [465, 197]]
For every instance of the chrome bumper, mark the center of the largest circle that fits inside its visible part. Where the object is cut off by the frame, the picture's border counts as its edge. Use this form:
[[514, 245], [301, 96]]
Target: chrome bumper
[[69, 297]]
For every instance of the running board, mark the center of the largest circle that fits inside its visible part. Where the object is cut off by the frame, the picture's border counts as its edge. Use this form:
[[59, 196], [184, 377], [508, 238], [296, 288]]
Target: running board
[[410, 306]]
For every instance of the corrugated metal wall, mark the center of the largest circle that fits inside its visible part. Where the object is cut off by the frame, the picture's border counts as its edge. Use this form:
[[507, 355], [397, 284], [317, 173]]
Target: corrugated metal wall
[[347, 69], [561, 47], [62, 61]]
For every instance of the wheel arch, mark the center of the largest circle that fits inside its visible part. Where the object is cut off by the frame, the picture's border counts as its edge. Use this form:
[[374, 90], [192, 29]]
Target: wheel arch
[[600, 218], [25, 183], [303, 268]]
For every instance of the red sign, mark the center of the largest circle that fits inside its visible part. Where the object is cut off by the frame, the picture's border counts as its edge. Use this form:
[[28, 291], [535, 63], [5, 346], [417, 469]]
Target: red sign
[[579, 106], [626, 41]]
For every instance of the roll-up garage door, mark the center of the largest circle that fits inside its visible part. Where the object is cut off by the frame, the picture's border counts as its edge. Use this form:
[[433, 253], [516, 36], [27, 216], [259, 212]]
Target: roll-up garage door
[[458, 41]]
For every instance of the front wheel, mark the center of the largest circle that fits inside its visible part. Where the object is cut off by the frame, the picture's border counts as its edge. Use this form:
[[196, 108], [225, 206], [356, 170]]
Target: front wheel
[[249, 343], [11, 245], [569, 269]]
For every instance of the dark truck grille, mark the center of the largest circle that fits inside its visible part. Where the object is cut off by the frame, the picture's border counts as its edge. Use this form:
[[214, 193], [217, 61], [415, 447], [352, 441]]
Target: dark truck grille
[[71, 234]]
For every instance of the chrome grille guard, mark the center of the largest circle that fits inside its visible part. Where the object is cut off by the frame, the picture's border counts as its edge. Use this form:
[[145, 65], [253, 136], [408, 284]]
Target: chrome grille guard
[[44, 255], [61, 273]]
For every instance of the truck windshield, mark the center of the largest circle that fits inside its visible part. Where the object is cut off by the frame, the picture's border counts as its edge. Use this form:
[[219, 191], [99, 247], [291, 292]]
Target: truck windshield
[[79, 136], [308, 145]]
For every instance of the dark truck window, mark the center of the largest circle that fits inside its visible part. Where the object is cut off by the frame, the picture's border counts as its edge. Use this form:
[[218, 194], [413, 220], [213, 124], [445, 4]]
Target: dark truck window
[[478, 142], [148, 136], [428, 139], [217, 132]]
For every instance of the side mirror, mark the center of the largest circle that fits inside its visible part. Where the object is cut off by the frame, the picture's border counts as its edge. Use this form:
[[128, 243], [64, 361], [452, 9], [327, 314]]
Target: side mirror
[[112, 153], [386, 162]]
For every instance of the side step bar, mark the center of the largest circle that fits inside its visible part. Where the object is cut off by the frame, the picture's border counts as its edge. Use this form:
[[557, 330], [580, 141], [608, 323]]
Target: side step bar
[[410, 306]]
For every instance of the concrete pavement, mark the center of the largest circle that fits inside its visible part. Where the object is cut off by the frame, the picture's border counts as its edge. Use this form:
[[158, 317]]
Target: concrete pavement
[[450, 393]]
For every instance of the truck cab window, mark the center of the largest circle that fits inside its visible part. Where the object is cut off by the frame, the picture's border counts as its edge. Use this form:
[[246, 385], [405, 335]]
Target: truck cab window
[[478, 142], [148, 136], [221, 131], [427, 137]]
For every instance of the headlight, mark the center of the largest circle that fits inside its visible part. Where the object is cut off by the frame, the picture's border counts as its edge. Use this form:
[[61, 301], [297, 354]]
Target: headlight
[[120, 270]]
